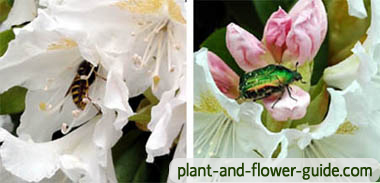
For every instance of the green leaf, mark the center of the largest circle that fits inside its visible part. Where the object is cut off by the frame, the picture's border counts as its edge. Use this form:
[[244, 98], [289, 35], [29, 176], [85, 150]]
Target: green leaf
[[216, 43], [13, 100], [129, 159], [320, 62], [143, 112], [5, 8], [5, 38], [265, 8]]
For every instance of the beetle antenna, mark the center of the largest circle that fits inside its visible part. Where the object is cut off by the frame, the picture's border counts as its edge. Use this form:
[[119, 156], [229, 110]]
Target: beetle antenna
[[297, 65]]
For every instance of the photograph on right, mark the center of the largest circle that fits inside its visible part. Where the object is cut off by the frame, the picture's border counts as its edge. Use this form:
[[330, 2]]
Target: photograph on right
[[287, 79]]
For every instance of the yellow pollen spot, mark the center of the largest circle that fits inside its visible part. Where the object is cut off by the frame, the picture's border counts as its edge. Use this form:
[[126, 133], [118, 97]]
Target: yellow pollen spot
[[208, 103], [175, 12], [140, 6], [347, 128], [64, 43], [43, 106]]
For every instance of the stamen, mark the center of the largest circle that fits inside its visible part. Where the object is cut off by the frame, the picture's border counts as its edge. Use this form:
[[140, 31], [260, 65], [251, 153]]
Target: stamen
[[156, 78], [172, 39], [162, 25], [169, 56]]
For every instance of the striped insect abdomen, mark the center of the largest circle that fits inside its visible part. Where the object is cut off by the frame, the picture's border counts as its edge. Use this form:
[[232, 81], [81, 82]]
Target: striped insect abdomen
[[79, 91]]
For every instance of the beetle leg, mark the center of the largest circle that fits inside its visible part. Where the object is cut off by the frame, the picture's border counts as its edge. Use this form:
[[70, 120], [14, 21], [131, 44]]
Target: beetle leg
[[279, 98], [290, 95]]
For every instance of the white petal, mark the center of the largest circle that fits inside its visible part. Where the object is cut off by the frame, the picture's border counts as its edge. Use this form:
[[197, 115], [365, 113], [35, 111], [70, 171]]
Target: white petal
[[180, 151], [38, 114], [251, 131], [374, 29], [356, 8], [299, 140], [27, 160], [335, 117], [106, 135], [362, 143], [215, 135], [367, 68], [167, 120], [360, 66], [22, 11], [116, 94], [6, 123], [30, 55]]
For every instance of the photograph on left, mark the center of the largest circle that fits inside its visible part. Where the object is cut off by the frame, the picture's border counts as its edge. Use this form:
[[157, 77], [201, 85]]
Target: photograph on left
[[91, 91]]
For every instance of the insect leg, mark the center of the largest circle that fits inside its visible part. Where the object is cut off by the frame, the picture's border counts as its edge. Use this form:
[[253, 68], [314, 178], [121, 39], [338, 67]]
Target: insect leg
[[100, 76], [290, 95], [279, 98], [90, 101]]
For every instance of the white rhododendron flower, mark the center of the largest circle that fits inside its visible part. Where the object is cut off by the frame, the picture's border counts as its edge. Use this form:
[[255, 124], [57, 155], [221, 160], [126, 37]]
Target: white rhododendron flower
[[150, 45], [223, 127], [48, 59], [127, 46]]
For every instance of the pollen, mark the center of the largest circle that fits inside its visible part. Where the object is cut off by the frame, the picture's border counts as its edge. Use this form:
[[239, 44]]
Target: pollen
[[44, 107], [175, 12], [347, 128], [140, 6], [208, 103], [64, 43]]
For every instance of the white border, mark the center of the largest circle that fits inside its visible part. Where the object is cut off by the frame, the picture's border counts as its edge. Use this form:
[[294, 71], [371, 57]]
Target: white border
[[189, 88]]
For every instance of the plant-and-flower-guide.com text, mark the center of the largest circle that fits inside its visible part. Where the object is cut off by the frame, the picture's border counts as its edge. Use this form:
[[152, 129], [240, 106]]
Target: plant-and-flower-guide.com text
[[268, 170]]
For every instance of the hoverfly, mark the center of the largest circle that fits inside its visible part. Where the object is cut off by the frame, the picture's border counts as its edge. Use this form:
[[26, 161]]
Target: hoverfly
[[264, 82], [86, 74]]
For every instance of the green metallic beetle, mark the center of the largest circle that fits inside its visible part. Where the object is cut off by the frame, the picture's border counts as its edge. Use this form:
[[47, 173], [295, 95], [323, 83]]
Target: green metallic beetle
[[264, 82]]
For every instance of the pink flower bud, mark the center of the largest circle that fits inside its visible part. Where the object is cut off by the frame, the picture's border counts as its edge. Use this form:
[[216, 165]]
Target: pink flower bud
[[246, 49], [287, 108], [309, 26], [275, 32], [225, 78]]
